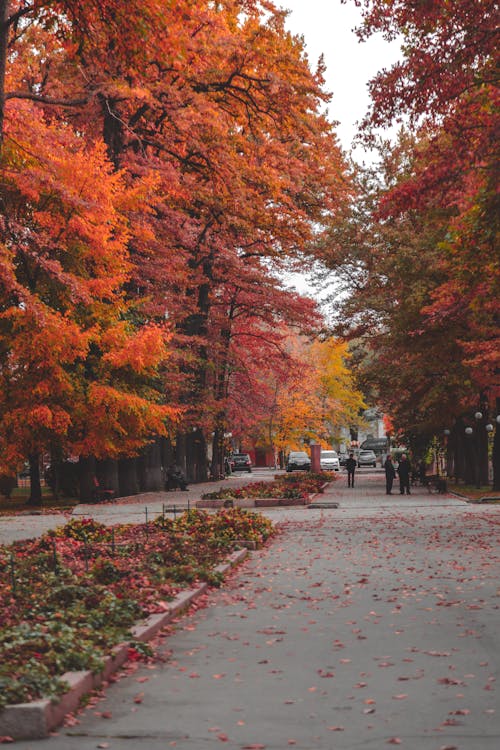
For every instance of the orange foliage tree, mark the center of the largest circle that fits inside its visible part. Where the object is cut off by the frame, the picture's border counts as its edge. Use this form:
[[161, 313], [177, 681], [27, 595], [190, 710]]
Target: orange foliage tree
[[310, 399], [224, 169]]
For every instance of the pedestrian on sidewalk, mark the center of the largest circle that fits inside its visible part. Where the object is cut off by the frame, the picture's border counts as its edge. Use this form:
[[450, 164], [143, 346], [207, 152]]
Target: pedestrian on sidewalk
[[350, 465], [390, 474], [404, 473]]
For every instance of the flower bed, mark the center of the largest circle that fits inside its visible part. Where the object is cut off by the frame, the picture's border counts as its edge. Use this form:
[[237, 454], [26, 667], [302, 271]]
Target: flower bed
[[70, 596], [294, 486]]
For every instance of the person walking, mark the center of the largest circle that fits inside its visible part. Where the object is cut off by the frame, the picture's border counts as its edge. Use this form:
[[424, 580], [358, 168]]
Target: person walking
[[350, 465], [404, 473], [390, 474]]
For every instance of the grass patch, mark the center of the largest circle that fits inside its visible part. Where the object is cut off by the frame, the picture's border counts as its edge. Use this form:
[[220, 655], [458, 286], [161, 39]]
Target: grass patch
[[473, 494], [17, 503]]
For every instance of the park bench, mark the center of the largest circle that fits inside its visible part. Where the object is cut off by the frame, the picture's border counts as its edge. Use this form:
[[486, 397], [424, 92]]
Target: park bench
[[102, 494]]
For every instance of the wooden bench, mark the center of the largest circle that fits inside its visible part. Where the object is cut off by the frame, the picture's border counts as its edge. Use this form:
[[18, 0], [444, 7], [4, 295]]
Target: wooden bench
[[102, 494], [434, 483]]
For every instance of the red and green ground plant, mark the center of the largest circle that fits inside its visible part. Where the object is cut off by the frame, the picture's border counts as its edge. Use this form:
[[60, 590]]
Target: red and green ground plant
[[68, 597], [293, 485]]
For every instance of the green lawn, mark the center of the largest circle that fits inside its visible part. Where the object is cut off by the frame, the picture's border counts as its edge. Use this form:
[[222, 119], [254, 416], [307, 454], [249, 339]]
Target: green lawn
[[473, 493], [18, 501]]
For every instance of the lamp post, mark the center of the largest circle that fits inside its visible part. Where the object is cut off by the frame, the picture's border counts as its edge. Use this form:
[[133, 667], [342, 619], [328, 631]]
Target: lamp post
[[472, 458], [478, 442], [446, 433]]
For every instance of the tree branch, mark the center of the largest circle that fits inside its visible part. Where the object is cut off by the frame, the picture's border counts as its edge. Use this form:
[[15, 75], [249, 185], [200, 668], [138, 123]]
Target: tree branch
[[46, 99]]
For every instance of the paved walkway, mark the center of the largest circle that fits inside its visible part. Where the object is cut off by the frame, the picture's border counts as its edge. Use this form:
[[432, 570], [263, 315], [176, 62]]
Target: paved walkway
[[367, 626]]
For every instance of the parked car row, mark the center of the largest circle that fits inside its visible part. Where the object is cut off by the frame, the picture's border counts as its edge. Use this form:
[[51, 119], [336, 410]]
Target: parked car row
[[300, 460]]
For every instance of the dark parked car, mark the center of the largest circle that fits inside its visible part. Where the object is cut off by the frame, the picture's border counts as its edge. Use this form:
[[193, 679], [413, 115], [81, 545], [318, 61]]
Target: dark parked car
[[298, 460], [240, 462]]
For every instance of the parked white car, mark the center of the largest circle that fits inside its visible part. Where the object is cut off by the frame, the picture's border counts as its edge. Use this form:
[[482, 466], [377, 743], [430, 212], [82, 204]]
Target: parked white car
[[329, 461], [367, 458]]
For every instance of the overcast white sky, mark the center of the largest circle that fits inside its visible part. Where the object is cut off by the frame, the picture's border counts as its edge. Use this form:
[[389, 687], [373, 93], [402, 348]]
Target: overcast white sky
[[327, 27]]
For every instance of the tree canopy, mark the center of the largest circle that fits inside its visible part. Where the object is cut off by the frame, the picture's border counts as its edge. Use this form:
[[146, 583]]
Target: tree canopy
[[419, 247], [162, 164]]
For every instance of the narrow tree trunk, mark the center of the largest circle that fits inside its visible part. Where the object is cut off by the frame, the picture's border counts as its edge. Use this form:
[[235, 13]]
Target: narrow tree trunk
[[196, 456], [217, 468], [53, 474], [35, 497]]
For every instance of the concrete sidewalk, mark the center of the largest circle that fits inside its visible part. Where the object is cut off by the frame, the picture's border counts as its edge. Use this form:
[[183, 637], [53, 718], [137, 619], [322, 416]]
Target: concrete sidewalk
[[370, 625]]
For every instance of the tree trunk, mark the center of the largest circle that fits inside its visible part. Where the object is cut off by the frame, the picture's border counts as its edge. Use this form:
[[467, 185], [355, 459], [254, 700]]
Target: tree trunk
[[152, 460], [107, 475], [53, 475], [35, 497], [127, 477], [217, 467], [470, 461], [197, 456], [182, 455], [87, 472], [460, 462]]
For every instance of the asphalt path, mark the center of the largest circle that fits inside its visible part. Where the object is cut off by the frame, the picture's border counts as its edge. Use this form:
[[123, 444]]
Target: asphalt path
[[367, 626]]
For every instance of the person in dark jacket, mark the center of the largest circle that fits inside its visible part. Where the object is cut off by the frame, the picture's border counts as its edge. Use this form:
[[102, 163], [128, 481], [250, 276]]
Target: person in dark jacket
[[390, 474], [176, 478], [404, 473], [350, 465]]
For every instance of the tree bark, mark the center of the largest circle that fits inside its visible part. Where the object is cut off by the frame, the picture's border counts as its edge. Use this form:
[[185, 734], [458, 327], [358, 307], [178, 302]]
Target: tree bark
[[127, 477], [87, 472], [107, 474], [35, 497]]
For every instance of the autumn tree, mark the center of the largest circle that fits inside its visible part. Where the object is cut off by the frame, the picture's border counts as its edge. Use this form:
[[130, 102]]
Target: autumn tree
[[228, 117], [423, 260], [211, 118], [70, 381], [447, 86], [310, 399]]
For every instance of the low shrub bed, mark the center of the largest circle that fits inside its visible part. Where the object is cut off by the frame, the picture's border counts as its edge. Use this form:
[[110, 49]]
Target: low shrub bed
[[70, 596], [297, 485]]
